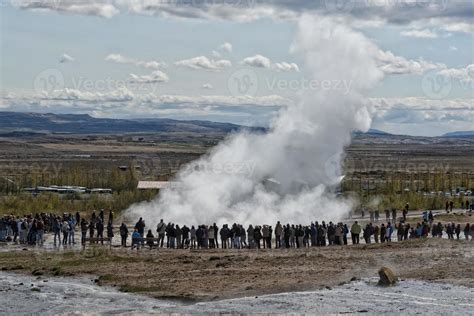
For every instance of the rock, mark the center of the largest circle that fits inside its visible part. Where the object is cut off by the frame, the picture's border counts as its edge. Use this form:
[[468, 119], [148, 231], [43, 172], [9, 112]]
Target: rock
[[214, 258], [354, 279], [37, 272], [387, 277]]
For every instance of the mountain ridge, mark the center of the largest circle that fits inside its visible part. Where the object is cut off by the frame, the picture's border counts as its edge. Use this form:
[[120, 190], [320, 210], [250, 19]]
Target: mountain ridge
[[34, 123]]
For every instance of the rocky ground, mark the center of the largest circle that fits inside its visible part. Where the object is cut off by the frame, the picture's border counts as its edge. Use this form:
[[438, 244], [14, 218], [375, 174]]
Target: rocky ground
[[205, 275]]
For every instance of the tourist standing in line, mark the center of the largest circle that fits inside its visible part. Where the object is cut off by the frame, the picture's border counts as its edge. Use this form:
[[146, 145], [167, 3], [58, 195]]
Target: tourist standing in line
[[355, 233]]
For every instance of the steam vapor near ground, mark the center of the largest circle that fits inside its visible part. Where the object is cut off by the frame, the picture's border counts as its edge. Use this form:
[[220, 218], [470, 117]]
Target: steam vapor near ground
[[301, 153]]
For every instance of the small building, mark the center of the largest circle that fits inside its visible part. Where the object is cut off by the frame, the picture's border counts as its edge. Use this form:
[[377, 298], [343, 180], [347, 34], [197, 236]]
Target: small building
[[154, 185]]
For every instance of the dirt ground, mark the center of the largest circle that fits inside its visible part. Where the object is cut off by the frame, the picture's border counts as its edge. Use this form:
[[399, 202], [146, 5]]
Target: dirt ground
[[202, 275]]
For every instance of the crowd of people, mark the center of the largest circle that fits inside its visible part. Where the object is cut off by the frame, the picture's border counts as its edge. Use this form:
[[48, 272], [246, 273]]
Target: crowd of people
[[32, 229], [285, 236]]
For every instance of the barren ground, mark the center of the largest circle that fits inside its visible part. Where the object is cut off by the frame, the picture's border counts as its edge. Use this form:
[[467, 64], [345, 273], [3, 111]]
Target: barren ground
[[217, 274]]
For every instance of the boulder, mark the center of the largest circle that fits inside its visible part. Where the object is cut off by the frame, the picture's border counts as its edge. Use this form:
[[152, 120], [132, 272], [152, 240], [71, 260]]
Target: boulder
[[387, 277]]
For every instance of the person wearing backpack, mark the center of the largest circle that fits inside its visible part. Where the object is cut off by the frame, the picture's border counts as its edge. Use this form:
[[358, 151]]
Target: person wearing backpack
[[161, 230]]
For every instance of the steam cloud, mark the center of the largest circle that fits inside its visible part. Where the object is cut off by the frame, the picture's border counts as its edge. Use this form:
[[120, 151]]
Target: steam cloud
[[301, 153]]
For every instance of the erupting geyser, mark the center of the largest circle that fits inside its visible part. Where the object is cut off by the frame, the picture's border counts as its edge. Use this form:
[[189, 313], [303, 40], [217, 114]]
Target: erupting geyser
[[228, 184]]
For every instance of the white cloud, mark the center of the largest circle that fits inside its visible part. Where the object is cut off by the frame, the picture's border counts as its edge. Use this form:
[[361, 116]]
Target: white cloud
[[74, 95], [464, 74], [220, 100], [207, 86], [409, 115], [156, 76], [420, 103], [426, 33], [257, 61], [126, 95], [226, 47], [65, 58], [85, 7], [284, 66], [421, 116], [458, 13], [204, 63], [461, 27], [453, 48], [260, 61], [117, 58], [393, 64]]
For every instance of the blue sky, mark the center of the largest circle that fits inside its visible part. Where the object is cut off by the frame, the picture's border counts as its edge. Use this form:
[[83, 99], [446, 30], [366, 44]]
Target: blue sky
[[95, 58]]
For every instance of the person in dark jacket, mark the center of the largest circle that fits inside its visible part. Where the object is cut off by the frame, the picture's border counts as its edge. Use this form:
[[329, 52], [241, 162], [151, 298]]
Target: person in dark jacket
[[225, 236], [149, 239], [110, 231], [257, 236], [458, 231], [185, 234], [92, 226], [124, 234], [111, 216], [100, 229], [78, 217], [216, 234], [199, 237], [140, 226]]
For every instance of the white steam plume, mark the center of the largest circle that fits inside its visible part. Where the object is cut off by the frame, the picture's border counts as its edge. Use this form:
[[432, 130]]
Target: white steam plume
[[303, 147]]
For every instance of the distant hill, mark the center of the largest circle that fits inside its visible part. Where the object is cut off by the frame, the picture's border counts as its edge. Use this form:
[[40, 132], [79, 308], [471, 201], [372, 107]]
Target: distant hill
[[459, 134], [18, 123], [373, 131], [377, 131]]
